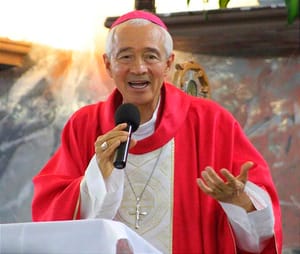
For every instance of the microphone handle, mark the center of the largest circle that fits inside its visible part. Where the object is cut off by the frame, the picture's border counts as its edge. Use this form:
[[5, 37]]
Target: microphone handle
[[122, 151]]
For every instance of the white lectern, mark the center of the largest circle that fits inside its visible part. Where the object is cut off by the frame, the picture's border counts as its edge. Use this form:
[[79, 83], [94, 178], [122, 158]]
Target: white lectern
[[72, 237]]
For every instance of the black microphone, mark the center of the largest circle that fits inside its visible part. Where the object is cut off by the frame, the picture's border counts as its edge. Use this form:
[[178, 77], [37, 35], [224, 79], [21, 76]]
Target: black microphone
[[126, 113]]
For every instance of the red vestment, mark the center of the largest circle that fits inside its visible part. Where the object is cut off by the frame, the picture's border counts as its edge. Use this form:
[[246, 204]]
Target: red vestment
[[205, 135]]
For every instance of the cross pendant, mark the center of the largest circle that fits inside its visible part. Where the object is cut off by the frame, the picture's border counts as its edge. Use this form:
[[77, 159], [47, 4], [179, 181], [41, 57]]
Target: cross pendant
[[138, 213]]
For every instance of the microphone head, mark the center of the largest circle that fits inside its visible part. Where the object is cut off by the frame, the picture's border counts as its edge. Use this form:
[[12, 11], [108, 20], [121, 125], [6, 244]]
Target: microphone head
[[128, 113]]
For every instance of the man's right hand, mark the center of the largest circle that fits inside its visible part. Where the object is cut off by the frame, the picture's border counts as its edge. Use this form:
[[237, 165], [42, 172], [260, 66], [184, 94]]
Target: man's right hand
[[105, 156]]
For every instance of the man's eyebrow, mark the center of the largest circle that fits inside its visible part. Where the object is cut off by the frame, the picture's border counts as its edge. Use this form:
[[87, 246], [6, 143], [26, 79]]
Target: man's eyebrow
[[152, 50], [147, 49], [121, 50]]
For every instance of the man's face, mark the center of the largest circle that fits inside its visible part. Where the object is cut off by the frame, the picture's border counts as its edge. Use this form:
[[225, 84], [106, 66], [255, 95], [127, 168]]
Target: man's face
[[138, 63]]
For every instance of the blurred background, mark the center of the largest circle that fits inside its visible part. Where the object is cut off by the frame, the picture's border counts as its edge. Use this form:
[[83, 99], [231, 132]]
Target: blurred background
[[51, 65]]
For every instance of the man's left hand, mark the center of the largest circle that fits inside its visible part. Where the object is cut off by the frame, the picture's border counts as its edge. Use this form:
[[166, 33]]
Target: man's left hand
[[229, 191]]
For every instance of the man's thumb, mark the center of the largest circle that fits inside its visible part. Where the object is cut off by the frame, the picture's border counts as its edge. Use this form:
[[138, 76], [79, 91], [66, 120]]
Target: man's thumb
[[244, 171]]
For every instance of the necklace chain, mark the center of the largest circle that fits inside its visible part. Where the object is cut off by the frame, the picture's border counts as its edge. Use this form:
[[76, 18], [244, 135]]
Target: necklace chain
[[138, 198]]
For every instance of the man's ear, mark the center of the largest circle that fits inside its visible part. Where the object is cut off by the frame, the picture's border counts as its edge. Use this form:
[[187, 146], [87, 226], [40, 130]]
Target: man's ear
[[170, 62], [107, 64]]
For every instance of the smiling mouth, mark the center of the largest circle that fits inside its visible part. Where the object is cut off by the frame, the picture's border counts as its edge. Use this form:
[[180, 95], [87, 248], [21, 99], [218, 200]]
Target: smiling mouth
[[138, 84]]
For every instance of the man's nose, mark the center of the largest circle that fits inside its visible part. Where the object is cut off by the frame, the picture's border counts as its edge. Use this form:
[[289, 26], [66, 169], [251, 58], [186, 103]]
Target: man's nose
[[138, 66]]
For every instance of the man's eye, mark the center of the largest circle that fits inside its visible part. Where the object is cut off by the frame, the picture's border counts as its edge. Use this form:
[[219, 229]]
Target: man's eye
[[125, 58], [151, 58]]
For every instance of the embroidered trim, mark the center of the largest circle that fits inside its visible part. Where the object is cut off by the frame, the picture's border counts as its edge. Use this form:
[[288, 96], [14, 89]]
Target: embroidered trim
[[172, 194], [76, 208]]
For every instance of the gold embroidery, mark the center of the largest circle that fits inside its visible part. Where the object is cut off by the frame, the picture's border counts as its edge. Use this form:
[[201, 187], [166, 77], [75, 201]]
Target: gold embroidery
[[76, 208]]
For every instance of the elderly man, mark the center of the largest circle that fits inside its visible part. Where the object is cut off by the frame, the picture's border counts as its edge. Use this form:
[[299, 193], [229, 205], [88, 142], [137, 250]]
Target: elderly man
[[193, 182]]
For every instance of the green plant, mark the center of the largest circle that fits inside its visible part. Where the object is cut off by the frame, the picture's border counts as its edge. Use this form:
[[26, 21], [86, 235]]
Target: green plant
[[293, 9], [291, 5]]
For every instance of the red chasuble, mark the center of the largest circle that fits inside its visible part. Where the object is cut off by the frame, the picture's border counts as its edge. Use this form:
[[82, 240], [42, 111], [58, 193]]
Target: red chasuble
[[204, 133]]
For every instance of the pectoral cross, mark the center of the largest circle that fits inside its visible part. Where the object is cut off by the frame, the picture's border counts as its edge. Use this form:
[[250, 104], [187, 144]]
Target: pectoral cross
[[138, 213]]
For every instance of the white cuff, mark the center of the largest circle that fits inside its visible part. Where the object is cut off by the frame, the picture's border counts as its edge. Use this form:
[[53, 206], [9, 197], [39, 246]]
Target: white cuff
[[100, 198], [92, 190], [114, 195], [252, 229]]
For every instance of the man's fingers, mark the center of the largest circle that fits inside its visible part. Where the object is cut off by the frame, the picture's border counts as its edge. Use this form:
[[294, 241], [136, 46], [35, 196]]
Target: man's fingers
[[212, 180], [120, 126], [229, 177], [244, 171], [203, 186], [247, 165], [133, 142]]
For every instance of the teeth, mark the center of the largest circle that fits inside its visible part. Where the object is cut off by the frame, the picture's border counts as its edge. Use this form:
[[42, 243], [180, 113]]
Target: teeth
[[138, 84]]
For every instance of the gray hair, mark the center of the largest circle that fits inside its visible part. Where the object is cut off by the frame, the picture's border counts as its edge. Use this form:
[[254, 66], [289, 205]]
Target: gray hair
[[168, 41]]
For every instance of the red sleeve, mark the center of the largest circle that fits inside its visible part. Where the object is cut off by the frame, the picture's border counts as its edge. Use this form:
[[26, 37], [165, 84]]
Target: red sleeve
[[260, 174], [56, 186]]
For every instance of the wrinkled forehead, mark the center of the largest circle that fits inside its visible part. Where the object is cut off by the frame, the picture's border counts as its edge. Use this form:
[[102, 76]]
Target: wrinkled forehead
[[138, 36]]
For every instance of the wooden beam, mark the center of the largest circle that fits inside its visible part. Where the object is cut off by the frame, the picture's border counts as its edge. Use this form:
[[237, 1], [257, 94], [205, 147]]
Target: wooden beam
[[12, 52], [246, 32]]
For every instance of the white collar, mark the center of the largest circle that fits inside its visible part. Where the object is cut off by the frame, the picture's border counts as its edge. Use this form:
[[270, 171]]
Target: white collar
[[146, 129]]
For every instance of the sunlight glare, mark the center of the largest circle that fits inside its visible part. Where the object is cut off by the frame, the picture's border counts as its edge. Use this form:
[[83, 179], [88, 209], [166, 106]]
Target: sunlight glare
[[62, 24]]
